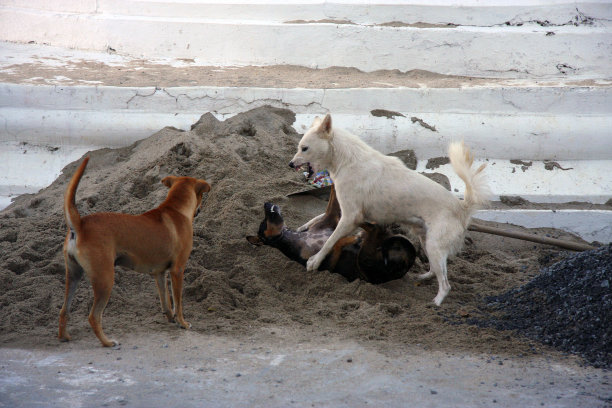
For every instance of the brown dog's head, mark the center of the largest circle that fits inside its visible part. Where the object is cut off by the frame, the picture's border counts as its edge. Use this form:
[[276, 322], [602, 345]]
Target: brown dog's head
[[187, 186]]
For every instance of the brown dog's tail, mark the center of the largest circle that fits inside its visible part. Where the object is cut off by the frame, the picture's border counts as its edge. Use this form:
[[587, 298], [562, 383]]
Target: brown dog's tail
[[477, 191], [73, 219]]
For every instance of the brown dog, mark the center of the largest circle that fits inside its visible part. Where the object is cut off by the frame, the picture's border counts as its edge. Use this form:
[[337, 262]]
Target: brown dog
[[152, 243]]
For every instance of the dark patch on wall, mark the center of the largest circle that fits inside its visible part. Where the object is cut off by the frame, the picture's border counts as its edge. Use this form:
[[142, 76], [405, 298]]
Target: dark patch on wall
[[436, 162], [579, 19], [524, 165], [513, 200], [407, 156], [440, 179], [322, 21], [521, 163], [564, 69], [386, 113], [421, 122], [551, 165]]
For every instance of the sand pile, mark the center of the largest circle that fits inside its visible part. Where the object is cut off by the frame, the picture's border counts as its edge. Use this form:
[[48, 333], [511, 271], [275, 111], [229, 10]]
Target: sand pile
[[230, 286], [568, 306]]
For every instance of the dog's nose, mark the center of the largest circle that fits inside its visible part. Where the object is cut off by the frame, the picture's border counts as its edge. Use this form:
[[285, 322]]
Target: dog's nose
[[291, 164]]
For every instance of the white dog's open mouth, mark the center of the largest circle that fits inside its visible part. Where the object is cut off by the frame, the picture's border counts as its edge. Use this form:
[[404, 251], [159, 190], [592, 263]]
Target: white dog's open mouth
[[306, 168]]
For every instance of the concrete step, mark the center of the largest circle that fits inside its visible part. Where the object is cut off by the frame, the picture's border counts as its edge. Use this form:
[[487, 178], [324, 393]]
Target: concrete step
[[28, 167], [503, 136], [503, 43], [503, 123]]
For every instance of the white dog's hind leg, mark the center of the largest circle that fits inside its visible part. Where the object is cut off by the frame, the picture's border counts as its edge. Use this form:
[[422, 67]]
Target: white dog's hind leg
[[443, 284], [437, 266], [417, 226], [345, 226]]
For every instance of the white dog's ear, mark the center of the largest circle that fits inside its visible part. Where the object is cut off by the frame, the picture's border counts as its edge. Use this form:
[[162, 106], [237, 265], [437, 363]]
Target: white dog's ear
[[325, 127], [316, 122]]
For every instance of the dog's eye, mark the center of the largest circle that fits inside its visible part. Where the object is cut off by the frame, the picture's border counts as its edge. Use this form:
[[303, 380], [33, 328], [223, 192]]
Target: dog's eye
[[304, 148]]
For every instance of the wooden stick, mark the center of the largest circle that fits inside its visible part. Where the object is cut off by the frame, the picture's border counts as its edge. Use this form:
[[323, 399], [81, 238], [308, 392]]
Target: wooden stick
[[574, 246]]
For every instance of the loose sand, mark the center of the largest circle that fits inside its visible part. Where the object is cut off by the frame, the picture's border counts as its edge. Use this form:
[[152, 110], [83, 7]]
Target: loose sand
[[232, 288]]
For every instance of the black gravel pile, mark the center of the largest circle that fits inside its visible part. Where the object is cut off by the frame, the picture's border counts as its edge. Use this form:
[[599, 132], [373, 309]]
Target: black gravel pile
[[567, 306]]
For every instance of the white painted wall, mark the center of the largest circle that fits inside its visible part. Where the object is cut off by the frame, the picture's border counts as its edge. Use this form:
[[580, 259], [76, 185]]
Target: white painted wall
[[464, 12], [261, 33]]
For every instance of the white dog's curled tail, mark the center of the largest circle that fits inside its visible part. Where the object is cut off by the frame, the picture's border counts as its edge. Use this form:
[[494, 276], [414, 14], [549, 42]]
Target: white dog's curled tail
[[477, 191]]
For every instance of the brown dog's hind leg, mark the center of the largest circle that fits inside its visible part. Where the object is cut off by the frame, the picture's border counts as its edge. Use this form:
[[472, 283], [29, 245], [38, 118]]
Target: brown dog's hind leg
[[102, 283], [164, 295], [176, 273], [74, 273]]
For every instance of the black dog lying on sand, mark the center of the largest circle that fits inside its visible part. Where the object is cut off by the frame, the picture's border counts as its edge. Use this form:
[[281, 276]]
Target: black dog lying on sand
[[375, 255]]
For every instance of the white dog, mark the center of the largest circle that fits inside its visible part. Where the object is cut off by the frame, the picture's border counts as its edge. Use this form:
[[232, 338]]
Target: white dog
[[377, 188]]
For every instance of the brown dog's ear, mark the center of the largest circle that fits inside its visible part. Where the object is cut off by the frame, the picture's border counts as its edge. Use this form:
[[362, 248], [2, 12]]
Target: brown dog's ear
[[325, 127], [254, 240], [168, 181], [202, 187]]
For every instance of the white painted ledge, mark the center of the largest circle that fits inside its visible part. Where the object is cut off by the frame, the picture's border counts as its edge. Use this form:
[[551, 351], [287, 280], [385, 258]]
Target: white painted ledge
[[530, 123]]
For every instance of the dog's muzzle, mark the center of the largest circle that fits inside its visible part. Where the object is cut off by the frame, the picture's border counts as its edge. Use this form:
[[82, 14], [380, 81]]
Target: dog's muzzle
[[309, 168]]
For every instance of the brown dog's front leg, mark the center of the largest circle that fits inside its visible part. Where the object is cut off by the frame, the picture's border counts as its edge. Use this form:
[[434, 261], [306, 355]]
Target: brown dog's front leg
[[176, 273]]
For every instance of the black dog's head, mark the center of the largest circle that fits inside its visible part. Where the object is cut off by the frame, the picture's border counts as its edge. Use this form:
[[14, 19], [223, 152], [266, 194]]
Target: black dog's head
[[271, 228], [398, 254]]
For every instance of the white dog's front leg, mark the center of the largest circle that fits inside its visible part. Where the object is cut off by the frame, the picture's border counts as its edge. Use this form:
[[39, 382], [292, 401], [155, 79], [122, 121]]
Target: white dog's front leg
[[306, 226], [344, 227]]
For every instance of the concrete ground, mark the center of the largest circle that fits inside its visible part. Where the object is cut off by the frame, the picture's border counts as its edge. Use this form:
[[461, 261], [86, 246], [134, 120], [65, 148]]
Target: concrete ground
[[279, 367]]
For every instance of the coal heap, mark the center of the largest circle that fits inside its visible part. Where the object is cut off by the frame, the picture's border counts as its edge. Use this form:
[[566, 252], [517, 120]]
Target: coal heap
[[567, 306]]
